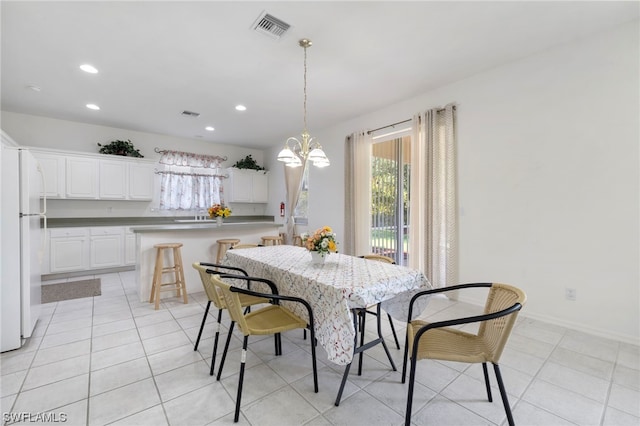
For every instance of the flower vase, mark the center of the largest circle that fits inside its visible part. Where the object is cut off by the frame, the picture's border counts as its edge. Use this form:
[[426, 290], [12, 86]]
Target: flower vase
[[219, 220], [317, 258]]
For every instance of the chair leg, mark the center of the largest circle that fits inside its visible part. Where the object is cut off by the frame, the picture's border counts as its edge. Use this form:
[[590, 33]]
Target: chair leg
[[215, 342], [412, 377], [204, 319], [224, 354], [486, 381], [503, 393], [406, 355], [241, 379], [312, 339], [393, 330]]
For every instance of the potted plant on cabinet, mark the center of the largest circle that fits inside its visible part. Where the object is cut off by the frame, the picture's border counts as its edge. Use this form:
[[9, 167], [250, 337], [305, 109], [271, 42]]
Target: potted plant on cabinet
[[247, 163], [117, 147]]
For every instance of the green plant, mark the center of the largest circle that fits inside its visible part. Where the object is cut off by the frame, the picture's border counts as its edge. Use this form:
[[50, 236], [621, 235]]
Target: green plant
[[124, 148], [247, 163]]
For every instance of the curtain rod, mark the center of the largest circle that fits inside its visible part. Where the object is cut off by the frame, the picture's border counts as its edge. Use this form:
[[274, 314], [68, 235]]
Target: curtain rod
[[400, 122], [389, 125]]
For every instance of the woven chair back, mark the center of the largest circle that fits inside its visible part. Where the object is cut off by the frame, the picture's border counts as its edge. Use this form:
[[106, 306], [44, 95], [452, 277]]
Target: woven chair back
[[495, 332], [232, 301], [209, 287]]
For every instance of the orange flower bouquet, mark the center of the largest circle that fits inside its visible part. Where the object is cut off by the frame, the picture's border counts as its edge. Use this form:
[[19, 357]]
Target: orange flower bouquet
[[219, 210], [323, 241]]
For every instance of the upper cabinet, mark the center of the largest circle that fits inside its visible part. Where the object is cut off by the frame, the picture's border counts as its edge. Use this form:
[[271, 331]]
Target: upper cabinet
[[94, 177], [246, 186], [53, 168], [82, 178], [141, 178]]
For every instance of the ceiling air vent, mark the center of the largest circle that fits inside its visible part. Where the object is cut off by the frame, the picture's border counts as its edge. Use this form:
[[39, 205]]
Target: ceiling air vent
[[270, 26], [190, 113]]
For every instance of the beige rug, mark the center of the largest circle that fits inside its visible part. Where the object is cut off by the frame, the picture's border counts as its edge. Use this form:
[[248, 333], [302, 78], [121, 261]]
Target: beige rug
[[70, 290]]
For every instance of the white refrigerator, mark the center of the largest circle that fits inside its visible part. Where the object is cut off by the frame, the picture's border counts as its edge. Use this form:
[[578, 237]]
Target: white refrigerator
[[22, 245]]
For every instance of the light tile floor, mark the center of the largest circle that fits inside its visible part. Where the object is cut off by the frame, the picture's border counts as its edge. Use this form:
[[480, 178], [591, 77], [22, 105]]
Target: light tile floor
[[114, 360]]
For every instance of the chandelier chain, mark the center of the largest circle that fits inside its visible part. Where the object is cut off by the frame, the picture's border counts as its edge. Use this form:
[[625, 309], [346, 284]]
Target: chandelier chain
[[305, 87]]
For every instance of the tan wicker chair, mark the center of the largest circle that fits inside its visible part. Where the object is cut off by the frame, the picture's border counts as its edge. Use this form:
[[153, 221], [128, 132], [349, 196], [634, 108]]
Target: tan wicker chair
[[439, 341], [273, 319], [218, 301]]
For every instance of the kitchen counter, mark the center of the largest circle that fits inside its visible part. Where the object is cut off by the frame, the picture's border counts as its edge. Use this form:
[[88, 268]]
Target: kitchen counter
[[70, 222], [200, 225], [198, 246]]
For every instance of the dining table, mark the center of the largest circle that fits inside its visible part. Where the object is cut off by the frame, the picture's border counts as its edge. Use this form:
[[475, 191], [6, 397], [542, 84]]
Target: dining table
[[336, 289]]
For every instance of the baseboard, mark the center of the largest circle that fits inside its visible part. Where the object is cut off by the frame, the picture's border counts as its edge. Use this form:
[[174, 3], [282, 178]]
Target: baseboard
[[607, 334]]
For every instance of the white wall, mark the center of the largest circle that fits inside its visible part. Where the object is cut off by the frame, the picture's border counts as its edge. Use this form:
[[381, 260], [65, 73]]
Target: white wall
[[35, 131], [548, 179]]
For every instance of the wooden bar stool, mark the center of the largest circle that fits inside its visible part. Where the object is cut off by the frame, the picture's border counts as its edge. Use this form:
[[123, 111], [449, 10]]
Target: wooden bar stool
[[177, 269], [272, 240], [297, 240], [223, 245]]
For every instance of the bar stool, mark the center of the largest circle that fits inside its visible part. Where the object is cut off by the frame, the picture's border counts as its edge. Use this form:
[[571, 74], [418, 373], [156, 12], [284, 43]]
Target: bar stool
[[272, 240], [297, 240], [177, 269], [223, 245]]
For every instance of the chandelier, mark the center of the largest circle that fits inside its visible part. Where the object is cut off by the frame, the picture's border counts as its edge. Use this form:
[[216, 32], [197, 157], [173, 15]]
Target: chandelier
[[296, 152]]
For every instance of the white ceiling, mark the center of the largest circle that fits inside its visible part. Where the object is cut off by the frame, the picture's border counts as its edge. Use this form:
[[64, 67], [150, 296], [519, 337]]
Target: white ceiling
[[157, 59]]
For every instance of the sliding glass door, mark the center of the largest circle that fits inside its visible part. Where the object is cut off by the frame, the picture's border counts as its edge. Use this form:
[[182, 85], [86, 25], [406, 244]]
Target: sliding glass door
[[390, 172]]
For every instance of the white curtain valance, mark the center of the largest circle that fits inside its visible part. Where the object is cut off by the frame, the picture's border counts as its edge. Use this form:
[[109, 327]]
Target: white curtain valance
[[188, 159]]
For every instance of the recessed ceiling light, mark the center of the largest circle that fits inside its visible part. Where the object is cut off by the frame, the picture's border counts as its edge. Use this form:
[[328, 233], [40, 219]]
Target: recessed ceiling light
[[241, 107], [34, 88], [89, 68], [93, 107], [209, 128]]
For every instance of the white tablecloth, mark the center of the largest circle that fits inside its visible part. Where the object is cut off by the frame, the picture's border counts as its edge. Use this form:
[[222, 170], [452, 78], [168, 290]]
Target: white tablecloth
[[333, 289]]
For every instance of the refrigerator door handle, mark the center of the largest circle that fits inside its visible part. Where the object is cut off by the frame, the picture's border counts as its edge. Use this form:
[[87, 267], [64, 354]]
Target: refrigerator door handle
[[43, 213]]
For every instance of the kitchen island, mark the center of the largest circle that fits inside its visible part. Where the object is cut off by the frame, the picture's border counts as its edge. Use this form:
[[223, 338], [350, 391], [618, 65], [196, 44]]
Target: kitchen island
[[199, 245]]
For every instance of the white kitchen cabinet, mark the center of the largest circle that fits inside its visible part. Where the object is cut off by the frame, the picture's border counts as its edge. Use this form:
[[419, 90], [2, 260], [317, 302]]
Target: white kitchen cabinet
[[107, 247], [130, 252], [246, 186], [113, 180], [68, 249], [141, 178], [96, 177], [82, 178], [53, 169]]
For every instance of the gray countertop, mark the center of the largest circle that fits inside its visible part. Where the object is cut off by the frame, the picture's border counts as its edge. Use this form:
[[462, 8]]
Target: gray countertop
[[209, 224], [70, 222]]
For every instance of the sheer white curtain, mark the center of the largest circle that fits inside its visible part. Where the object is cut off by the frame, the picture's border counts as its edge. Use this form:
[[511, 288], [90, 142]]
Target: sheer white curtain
[[190, 181], [357, 192], [433, 199], [293, 177]]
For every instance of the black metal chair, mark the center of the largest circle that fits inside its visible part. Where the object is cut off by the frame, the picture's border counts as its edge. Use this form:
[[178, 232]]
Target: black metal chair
[[272, 319], [440, 341], [212, 293]]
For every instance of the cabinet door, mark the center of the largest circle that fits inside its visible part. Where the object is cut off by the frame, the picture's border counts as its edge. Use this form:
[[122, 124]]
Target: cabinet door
[[141, 179], [113, 180], [107, 247], [241, 184], [260, 188], [82, 178], [68, 249], [53, 168]]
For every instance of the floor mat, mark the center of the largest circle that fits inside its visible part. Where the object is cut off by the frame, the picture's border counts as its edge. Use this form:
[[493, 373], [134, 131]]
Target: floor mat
[[71, 290]]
